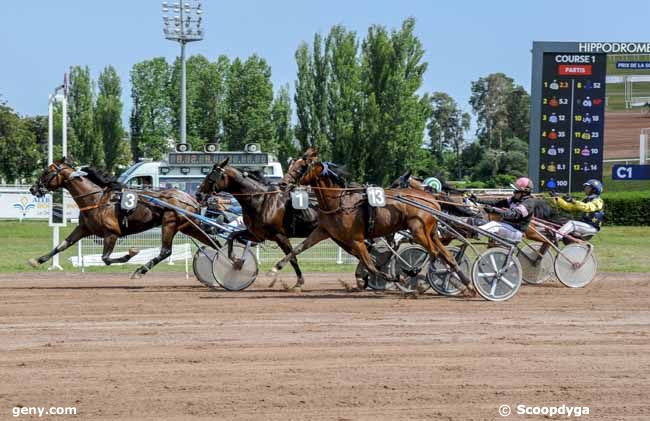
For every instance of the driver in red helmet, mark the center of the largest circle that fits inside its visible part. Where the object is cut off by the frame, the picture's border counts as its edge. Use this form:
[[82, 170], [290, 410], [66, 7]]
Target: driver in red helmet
[[516, 211]]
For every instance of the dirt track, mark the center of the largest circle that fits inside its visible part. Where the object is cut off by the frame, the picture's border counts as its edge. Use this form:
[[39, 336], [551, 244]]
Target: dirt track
[[166, 348]]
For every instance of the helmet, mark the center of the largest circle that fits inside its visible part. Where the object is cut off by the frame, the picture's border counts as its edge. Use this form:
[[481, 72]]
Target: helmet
[[523, 184], [595, 184], [434, 183]]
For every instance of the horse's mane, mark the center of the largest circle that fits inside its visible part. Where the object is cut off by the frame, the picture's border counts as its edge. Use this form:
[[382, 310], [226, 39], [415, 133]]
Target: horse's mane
[[340, 172], [101, 178], [256, 175]]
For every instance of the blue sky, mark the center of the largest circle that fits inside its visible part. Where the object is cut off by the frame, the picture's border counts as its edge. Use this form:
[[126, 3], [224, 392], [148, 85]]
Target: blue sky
[[464, 40]]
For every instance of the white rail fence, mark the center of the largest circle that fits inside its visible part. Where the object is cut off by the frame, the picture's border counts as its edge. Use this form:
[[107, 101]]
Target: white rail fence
[[89, 251]]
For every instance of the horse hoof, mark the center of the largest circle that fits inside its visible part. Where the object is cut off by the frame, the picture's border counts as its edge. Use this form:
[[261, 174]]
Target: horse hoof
[[133, 251], [136, 274], [33, 262], [272, 283], [469, 292], [296, 289]]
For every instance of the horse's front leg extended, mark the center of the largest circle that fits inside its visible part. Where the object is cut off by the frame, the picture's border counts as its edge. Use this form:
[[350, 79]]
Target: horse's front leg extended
[[109, 245], [169, 229], [77, 234], [314, 238]]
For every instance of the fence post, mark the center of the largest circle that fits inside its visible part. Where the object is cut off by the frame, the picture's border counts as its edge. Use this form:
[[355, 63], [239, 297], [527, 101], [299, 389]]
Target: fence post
[[80, 257], [257, 253], [339, 255]]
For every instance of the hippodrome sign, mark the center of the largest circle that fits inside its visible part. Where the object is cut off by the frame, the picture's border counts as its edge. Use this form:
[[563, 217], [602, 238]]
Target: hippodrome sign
[[568, 114]]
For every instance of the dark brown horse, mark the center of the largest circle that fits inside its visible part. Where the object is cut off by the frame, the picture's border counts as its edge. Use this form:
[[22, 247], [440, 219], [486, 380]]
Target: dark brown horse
[[100, 214], [267, 210], [343, 216]]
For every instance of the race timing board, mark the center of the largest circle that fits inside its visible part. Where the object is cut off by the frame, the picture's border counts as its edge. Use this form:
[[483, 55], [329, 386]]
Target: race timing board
[[568, 116]]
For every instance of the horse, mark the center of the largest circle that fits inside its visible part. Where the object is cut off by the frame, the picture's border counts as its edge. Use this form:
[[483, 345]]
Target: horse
[[267, 211], [100, 213], [344, 217]]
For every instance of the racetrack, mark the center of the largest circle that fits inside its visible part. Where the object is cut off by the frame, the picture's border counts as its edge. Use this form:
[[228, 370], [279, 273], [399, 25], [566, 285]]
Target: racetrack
[[166, 348]]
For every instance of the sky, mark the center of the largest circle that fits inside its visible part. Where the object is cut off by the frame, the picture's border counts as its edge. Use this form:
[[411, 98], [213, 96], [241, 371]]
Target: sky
[[464, 40]]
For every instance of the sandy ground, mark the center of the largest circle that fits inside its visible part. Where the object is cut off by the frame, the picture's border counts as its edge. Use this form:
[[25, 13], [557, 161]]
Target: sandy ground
[[622, 132], [166, 348]]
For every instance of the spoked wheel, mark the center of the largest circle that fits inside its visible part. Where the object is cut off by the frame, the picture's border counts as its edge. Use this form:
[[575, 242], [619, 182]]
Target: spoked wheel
[[411, 267], [441, 278], [202, 266], [576, 265], [230, 277], [536, 268], [496, 277]]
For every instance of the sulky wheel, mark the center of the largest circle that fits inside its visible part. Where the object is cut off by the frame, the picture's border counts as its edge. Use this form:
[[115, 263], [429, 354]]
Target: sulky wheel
[[230, 277], [411, 267], [536, 268], [442, 279], [576, 265], [496, 277], [202, 266]]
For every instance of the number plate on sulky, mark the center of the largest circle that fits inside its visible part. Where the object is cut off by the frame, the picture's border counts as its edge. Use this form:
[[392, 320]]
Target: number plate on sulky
[[376, 197], [129, 200], [299, 199]]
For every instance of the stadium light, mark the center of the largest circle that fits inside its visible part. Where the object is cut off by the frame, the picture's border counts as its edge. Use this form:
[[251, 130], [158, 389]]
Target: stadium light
[[182, 24]]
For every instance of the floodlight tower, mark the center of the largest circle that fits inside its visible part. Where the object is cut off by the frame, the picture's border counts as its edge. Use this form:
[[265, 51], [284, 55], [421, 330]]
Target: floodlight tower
[[182, 24]]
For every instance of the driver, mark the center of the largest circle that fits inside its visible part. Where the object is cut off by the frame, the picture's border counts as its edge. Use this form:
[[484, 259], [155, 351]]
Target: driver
[[591, 208], [516, 211]]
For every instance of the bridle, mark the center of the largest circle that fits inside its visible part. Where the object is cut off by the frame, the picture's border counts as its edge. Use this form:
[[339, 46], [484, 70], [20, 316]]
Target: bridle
[[55, 171]]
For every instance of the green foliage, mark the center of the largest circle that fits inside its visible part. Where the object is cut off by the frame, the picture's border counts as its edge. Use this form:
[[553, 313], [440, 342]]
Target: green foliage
[[206, 90], [151, 114], [15, 135], [247, 115], [108, 117], [501, 108], [627, 208], [85, 146], [283, 133], [446, 128]]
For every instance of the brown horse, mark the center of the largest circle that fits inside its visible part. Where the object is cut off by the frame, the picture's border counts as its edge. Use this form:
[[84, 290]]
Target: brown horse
[[100, 214], [343, 216], [267, 211]]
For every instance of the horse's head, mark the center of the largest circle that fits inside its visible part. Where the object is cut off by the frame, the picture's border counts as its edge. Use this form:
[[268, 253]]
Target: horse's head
[[403, 182], [298, 167], [53, 177], [217, 180]]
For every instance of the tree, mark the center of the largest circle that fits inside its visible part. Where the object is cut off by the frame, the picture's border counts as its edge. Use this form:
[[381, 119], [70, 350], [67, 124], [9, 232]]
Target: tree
[[205, 95], [108, 116], [394, 113], [150, 120], [502, 109], [343, 96], [16, 136], [446, 129], [85, 146], [283, 133], [247, 114]]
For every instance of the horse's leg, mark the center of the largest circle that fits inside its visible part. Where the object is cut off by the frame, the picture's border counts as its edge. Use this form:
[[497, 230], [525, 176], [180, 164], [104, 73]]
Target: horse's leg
[[169, 230], [77, 234], [427, 237], [109, 245], [285, 245], [316, 236]]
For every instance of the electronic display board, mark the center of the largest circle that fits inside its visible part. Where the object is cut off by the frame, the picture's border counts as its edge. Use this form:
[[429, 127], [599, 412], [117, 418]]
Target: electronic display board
[[202, 158], [572, 120]]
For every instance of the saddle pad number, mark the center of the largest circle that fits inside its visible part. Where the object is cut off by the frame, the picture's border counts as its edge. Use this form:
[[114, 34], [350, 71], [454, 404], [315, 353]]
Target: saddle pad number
[[376, 197], [299, 199], [129, 200]]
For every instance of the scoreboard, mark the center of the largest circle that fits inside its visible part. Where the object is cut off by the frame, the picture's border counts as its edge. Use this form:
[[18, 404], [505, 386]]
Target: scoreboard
[[572, 120]]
